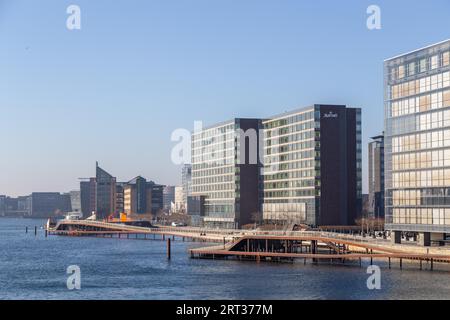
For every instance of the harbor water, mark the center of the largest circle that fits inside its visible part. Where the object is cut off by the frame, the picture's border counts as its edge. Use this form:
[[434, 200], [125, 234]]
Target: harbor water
[[35, 267]]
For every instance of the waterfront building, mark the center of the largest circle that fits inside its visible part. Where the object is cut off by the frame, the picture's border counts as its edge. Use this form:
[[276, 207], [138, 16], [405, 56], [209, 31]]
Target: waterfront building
[[417, 143], [155, 198], [48, 204], [186, 182], [75, 200], [376, 177], [88, 197], [120, 205], [225, 170], [98, 194], [312, 166], [2, 205], [168, 198], [24, 206], [105, 193], [135, 196], [11, 206], [179, 200], [195, 208]]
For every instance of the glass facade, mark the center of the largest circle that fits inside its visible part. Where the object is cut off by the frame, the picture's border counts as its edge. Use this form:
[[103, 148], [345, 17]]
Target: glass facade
[[417, 141], [291, 166], [215, 174]]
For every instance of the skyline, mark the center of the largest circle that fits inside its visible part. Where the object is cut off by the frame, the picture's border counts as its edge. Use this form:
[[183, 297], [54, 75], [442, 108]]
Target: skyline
[[210, 70]]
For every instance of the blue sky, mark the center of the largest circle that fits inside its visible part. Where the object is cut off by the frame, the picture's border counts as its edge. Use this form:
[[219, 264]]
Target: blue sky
[[116, 89]]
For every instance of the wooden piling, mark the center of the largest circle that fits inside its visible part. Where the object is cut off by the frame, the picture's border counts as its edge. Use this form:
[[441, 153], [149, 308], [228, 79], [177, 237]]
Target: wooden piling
[[168, 249], [35, 230], [26, 229]]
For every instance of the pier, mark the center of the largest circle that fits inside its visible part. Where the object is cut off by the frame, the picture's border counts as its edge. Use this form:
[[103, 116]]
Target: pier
[[312, 247], [273, 246]]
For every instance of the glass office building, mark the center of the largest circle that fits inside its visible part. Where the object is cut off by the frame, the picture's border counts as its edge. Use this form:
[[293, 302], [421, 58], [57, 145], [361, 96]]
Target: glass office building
[[229, 186], [312, 166], [417, 143]]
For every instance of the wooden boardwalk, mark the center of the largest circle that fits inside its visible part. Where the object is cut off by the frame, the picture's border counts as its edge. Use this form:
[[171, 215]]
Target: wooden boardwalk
[[314, 248], [257, 246]]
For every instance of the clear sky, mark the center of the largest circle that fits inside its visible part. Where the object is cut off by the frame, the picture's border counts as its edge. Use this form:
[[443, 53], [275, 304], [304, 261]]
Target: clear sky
[[116, 89]]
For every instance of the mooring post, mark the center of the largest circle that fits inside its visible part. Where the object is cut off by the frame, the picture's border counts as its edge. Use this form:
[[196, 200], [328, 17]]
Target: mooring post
[[389, 262], [164, 236], [35, 230], [26, 229], [431, 264], [360, 262], [401, 263], [168, 249], [420, 264], [46, 232]]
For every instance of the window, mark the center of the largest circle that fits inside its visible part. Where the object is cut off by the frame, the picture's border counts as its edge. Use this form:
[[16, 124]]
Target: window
[[423, 65], [401, 72], [411, 69], [434, 62], [446, 58]]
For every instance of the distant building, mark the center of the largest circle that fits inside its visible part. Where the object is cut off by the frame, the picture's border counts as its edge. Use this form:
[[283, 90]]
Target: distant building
[[142, 196], [11, 206], [88, 197], [24, 206], [105, 193], [155, 199], [186, 182], [98, 194], [75, 200], [168, 197], [195, 208], [49, 204], [179, 200], [365, 205], [135, 196], [376, 176], [2, 205], [120, 197]]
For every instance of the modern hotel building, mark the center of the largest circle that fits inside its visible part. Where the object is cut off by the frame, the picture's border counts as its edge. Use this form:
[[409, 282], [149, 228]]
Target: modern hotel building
[[228, 184], [312, 166], [417, 142], [304, 167]]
